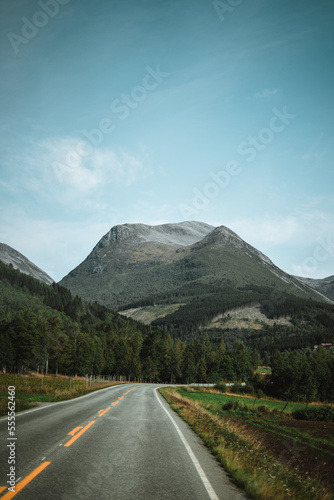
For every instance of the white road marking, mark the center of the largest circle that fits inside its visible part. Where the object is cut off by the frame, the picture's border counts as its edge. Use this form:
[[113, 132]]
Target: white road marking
[[199, 469]]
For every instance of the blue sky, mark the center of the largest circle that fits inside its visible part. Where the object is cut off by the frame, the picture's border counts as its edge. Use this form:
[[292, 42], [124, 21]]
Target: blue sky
[[159, 111]]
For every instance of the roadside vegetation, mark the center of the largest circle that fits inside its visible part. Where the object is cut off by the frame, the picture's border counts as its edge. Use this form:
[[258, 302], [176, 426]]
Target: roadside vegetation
[[260, 442], [32, 390]]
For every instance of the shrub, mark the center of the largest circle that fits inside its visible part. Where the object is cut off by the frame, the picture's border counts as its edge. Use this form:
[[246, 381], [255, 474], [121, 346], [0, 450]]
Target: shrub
[[263, 409], [248, 388], [236, 406], [220, 386], [237, 388], [228, 406], [318, 413]]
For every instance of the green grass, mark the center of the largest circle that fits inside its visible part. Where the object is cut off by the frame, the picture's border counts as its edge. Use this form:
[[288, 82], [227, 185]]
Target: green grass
[[263, 369], [23, 401], [30, 397], [255, 414], [266, 452], [217, 400]]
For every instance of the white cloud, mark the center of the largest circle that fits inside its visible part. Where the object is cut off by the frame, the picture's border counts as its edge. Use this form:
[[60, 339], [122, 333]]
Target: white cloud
[[67, 170], [81, 166]]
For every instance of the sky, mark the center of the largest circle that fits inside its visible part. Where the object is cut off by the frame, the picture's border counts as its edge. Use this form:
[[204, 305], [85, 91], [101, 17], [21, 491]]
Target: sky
[[156, 111]]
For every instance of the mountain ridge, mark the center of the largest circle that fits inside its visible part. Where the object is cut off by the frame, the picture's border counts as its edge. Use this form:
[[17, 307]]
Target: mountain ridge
[[9, 255], [324, 286], [138, 263], [180, 234]]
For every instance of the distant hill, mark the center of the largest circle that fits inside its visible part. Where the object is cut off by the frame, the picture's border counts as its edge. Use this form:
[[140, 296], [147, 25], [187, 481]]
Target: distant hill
[[324, 286], [201, 270], [9, 255]]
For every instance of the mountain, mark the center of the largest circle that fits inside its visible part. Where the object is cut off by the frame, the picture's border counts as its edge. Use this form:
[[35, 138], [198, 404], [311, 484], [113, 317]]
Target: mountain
[[132, 261], [190, 267], [9, 255], [324, 286]]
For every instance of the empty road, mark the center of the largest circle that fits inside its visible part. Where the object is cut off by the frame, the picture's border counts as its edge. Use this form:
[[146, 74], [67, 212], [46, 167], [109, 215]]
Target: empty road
[[119, 443]]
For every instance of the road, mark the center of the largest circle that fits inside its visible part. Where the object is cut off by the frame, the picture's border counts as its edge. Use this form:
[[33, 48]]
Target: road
[[119, 443]]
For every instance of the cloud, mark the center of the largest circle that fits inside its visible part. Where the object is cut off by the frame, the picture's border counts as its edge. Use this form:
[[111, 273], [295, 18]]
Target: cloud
[[68, 169], [81, 166]]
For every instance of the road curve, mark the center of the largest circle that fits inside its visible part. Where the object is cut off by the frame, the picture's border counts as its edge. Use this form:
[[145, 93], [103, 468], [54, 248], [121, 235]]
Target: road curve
[[120, 443]]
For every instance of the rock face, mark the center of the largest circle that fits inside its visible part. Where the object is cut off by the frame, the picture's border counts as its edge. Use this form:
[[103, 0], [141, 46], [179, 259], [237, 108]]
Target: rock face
[[9, 255], [174, 235], [135, 262]]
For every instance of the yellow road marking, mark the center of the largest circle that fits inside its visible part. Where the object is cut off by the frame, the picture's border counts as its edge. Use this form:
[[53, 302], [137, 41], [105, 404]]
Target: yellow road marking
[[24, 482], [105, 411], [2, 488], [74, 430], [74, 438]]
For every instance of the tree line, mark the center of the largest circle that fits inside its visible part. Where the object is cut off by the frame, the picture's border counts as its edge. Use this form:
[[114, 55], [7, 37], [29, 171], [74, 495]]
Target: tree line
[[303, 376], [52, 343]]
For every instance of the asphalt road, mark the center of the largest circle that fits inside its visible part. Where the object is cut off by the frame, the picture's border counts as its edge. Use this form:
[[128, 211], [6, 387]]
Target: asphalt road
[[120, 443]]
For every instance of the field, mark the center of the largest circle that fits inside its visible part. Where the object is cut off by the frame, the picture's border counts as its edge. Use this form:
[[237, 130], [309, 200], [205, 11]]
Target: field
[[148, 314], [264, 449]]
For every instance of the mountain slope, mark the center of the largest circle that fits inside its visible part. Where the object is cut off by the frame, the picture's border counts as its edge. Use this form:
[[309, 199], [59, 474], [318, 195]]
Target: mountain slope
[[135, 265], [132, 261], [9, 255], [324, 286]]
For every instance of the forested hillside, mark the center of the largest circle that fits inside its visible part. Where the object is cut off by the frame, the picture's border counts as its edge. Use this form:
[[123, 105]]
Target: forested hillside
[[45, 328], [311, 322]]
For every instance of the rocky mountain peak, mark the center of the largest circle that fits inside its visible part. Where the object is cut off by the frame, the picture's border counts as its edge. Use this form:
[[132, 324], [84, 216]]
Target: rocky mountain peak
[[175, 235], [140, 262], [222, 235]]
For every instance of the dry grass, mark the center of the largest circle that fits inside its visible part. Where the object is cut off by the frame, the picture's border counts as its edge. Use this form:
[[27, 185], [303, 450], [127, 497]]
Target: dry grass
[[244, 454], [33, 389]]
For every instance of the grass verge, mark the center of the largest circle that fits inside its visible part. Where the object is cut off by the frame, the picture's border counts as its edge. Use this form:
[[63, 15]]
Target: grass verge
[[32, 390], [267, 453]]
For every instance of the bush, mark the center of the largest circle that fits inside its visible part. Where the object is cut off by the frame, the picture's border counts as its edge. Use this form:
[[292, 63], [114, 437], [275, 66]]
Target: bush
[[263, 409], [236, 406], [228, 406], [317, 413], [220, 386], [261, 384], [248, 388], [238, 388]]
